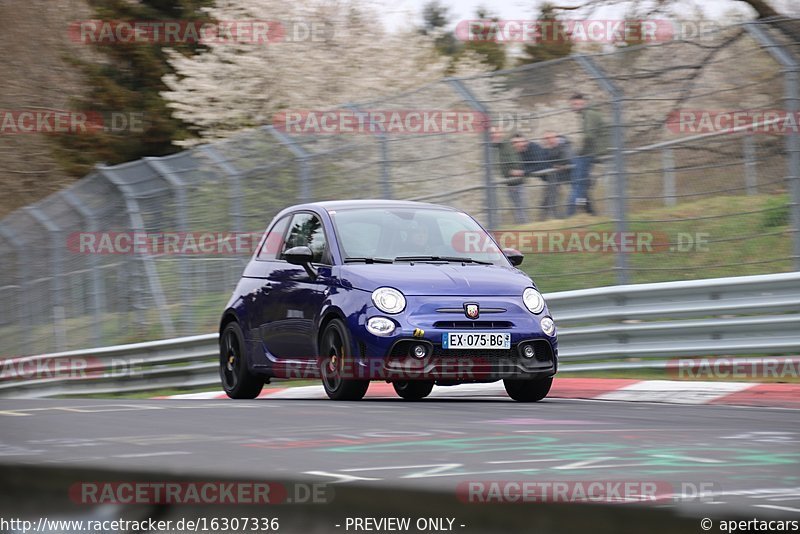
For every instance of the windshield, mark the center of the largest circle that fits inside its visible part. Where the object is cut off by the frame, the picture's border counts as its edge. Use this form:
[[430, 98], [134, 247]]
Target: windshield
[[412, 234]]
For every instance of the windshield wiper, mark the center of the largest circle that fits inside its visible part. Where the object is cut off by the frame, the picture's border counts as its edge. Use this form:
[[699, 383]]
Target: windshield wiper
[[368, 260], [442, 258]]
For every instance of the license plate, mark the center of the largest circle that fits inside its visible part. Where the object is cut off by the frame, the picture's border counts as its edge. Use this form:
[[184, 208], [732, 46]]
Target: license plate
[[476, 340]]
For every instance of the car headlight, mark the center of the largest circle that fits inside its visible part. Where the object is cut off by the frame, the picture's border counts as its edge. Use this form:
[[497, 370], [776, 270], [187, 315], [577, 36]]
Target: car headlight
[[533, 300], [380, 326], [388, 300], [548, 326]]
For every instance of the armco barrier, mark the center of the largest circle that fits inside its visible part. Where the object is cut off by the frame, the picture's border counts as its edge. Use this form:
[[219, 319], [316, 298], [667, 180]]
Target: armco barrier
[[752, 315]]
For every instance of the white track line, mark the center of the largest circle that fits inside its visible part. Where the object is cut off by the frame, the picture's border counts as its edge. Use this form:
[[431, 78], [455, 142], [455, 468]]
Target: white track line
[[669, 391]]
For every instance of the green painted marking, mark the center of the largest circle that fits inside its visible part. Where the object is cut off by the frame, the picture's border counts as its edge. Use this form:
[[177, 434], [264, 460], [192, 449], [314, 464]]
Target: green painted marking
[[669, 459]]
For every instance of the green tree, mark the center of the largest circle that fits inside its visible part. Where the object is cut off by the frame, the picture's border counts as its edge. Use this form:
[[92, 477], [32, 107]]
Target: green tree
[[553, 41], [126, 82], [435, 17], [483, 42]]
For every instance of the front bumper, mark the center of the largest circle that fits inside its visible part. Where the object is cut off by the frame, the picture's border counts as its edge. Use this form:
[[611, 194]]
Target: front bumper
[[424, 321]]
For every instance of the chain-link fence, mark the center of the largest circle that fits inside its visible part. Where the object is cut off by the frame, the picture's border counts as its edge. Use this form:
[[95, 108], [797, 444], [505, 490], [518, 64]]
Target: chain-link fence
[[699, 201]]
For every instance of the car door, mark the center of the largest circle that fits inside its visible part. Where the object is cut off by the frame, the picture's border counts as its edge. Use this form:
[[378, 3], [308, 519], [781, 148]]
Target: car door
[[261, 308], [296, 297]]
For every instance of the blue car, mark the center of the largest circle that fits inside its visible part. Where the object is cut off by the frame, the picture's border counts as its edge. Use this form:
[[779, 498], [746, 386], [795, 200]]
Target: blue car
[[411, 293]]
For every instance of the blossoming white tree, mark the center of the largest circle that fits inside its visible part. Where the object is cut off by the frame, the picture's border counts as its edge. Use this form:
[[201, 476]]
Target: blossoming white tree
[[348, 57], [233, 87]]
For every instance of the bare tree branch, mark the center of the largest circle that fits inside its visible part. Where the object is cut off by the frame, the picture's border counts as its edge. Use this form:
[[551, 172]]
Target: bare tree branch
[[761, 7]]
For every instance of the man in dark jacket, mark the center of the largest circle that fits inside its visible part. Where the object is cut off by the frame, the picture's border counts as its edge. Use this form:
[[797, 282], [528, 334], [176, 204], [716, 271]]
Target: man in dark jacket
[[593, 143], [558, 156], [508, 163], [531, 155]]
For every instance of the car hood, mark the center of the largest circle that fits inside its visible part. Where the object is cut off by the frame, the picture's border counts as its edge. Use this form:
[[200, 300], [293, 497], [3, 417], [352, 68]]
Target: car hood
[[437, 279]]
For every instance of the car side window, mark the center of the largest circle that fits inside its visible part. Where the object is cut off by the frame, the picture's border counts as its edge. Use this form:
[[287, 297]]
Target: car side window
[[305, 230], [273, 244]]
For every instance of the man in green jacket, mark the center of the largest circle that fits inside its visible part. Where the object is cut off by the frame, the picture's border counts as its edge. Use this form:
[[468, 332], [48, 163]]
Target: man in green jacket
[[508, 162], [593, 143]]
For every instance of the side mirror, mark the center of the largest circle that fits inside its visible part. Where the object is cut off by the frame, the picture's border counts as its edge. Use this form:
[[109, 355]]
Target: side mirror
[[301, 256], [514, 256]]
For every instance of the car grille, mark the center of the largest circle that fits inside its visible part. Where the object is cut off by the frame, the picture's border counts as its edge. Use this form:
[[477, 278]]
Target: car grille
[[473, 325], [439, 352], [543, 351]]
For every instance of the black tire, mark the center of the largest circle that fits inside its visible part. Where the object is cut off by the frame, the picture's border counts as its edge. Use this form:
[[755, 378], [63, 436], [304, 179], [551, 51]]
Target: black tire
[[528, 390], [333, 357], [237, 381], [413, 390]]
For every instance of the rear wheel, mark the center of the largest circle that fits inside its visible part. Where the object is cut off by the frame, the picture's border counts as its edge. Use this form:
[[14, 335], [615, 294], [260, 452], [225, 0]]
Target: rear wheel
[[528, 390], [237, 381], [334, 362], [413, 389]]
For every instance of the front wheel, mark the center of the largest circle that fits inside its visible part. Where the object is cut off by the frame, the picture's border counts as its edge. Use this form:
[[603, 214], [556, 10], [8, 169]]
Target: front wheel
[[237, 381], [334, 357], [413, 389], [528, 390]]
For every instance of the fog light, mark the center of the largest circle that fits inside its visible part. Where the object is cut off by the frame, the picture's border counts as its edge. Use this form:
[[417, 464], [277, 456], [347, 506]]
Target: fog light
[[419, 351], [548, 326], [380, 326], [528, 351]]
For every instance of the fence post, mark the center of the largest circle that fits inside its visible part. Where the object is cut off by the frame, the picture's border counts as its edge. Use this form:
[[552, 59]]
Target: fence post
[[669, 177], [25, 319], [791, 70], [477, 105], [618, 136], [793, 149], [98, 289], [185, 269], [302, 158], [380, 133], [57, 268], [137, 225], [234, 176], [750, 171]]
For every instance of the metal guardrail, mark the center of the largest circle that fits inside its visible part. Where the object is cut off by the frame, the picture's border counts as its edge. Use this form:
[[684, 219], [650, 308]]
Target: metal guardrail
[[736, 315], [754, 315]]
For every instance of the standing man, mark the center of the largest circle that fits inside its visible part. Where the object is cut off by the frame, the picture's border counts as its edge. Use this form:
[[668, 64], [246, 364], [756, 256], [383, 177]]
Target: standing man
[[508, 162], [533, 158], [593, 143], [558, 155]]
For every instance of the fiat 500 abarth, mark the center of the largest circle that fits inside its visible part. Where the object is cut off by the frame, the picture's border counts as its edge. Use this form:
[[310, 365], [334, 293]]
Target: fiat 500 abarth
[[411, 293]]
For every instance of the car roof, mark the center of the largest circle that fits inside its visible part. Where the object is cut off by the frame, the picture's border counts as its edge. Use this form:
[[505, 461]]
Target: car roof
[[333, 205]]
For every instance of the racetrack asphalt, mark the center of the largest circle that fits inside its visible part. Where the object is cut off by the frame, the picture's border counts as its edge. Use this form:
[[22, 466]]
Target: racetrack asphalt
[[742, 459]]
